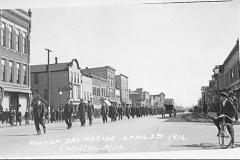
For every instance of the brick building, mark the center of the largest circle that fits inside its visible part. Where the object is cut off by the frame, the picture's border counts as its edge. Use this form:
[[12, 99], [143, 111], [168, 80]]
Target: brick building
[[107, 73], [15, 58]]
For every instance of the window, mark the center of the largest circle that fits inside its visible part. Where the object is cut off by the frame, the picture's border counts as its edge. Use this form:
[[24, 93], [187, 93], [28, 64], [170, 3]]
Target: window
[[79, 93], [102, 92], [71, 76], [25, 74], [78, 78], [3, 70], [3, 34], [11, 71], [94, 91], [36, 78], [17, 40], [10, 37], [98, 91], [18, 73], [84, 95], [75, 81], [24, 49], [87, 95]]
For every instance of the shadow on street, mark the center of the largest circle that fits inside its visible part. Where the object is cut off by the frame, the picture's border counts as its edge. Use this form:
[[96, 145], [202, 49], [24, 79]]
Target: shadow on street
[[206, 145], [21, 135]]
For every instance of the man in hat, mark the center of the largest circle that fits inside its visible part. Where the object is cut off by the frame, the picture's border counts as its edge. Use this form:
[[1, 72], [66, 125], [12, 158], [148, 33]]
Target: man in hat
[[234, 100], [39, 115], [227, 109], [68, 113], [127, 111], [82, 112], [90, 111], [120, 112], [104, 112]]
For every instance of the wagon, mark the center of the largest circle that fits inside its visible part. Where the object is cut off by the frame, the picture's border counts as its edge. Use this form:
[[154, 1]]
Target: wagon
[[169, 105]]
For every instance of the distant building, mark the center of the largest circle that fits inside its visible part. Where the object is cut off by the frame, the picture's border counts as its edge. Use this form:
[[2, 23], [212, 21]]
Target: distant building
[[159, 99], [107, 73], [15, 58], [87, 87], [137, 97], [122, 84], [63, 76]]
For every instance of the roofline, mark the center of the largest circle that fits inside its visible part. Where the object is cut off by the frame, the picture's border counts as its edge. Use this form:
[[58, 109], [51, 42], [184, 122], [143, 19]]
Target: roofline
[[99, 67], [124, 75], [232, 52]]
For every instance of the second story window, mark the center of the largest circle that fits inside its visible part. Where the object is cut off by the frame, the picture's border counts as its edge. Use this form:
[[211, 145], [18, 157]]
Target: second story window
[[36, 79], [11, 71], [17, 40], [18, 73], [10, 37], [75, 81], [3, 70], [78, 78], [24, 49], [94, 91], [25, 74], [71, 76], [3, 34]]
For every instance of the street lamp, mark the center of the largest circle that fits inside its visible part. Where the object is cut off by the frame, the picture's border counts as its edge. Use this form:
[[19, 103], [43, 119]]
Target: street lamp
[[216, 75], [60, 93]]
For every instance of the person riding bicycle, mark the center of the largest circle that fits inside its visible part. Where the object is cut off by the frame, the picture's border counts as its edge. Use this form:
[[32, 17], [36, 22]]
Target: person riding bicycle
[[228, 109]]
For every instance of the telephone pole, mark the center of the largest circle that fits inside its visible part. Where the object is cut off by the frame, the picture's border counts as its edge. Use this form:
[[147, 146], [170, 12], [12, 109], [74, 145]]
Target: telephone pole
[[48, 70]]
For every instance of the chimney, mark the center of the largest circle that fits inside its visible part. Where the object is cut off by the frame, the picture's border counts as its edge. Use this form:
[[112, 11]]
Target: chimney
[[86, 67], [56, 60]]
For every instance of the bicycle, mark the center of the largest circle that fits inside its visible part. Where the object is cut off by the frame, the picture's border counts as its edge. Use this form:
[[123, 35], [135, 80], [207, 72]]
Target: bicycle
[[225, 138]]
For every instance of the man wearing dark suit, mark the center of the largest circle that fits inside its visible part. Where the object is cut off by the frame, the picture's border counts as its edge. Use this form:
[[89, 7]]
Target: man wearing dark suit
[[82, 112], [127, 111], [226, 109], [39, 115], [104, 112], [120, 112], [68, 113], [133, 111], [90, 112]]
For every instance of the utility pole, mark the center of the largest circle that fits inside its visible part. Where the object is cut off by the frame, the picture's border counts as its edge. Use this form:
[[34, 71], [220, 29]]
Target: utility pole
[[48, 70]]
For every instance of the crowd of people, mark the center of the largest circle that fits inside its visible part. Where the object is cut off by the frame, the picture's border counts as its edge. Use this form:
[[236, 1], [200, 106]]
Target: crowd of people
[[14, 117], [41, 115]]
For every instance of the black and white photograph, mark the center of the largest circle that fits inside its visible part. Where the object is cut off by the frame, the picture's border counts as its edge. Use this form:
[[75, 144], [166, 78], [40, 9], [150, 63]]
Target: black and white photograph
[[117, 79]]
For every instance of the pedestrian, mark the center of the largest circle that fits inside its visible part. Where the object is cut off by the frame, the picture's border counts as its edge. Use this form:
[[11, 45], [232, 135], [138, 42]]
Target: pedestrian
[[90, 112], [7, 115], [18, 118], [26, 117], [229, 110], [13, 117], [174, 112], [57, 115], [39, 111], [138, 111], [120, 112], [163, 112], [47, 116], [133, 110], [115, 113], [104, 112], [235, 103], [82, 112], [2, 115], [127, 111], [53, 116], [110, 113], [68, 113]]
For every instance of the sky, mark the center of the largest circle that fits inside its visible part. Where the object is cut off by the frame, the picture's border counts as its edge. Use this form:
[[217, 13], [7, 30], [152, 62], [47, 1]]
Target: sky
[[170, 48]]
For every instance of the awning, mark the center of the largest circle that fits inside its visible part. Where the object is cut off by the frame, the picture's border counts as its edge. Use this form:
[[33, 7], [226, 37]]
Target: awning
[[21, 90]]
